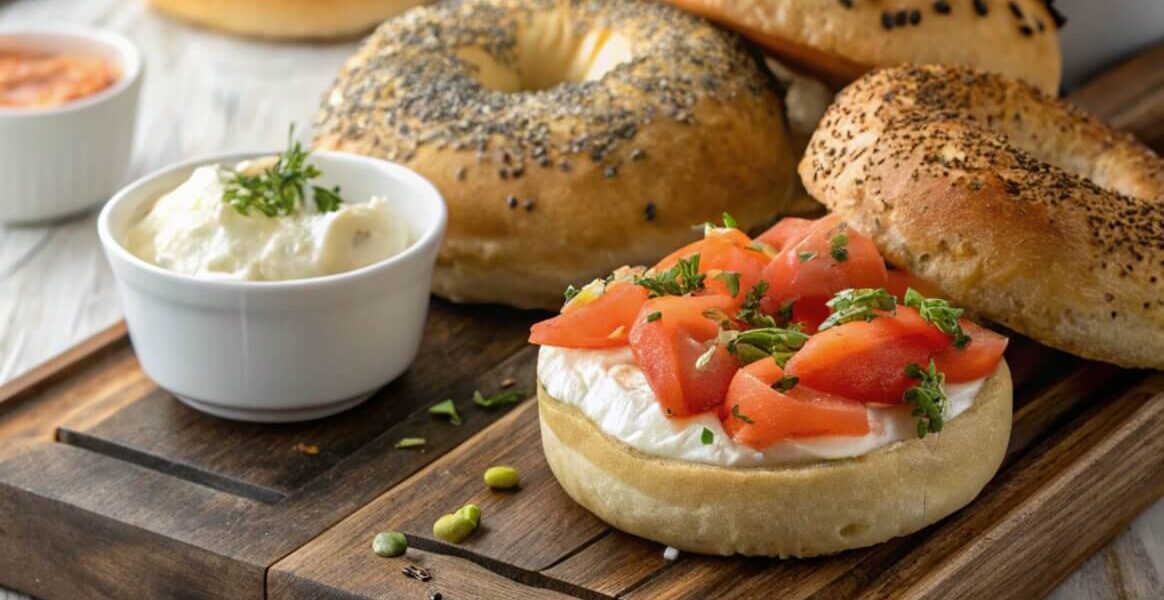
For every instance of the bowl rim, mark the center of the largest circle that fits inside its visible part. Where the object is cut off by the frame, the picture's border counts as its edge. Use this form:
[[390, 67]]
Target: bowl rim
[[131, 58], [432, 234]]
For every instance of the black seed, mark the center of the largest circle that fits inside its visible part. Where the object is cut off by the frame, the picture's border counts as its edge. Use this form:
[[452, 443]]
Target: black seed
[[565, 166], [1015, 10], [846, 3], [649, 211], [528, 205], [1039, 24], [901, 18], [981, 8], [511, 202], [435, 596], [610, 172], [914, 17], [887, 20], [637, 154], [1026, 30], [942, 7]]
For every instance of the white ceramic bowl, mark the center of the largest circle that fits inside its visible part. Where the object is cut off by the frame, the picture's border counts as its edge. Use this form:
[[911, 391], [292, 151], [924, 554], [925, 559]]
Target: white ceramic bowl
[[62, 160], [284, 350]]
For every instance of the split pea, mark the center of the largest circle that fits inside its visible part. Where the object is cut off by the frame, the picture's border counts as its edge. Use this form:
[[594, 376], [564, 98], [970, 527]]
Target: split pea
[[502, 478], [453, 528], [389, 544]]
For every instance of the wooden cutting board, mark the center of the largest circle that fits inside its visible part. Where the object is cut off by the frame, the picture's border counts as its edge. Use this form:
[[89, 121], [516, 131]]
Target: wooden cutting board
[[109, 488]]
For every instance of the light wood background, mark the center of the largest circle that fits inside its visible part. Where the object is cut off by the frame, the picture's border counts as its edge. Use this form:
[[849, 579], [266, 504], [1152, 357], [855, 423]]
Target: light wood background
[[206, 93]]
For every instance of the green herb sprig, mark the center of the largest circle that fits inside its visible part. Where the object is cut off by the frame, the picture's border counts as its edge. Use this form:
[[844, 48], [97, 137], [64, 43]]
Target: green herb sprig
[[857, 305], [279, 189], [838, 247], [499, 399], [732, 280], [785, 383], [778, 343], [750, 312], [682, 279], [446, 408], [927, 397], [941, 314]]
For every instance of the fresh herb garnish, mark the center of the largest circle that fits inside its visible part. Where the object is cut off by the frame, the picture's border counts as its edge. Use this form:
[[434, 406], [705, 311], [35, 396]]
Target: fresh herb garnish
[[838, 247], [785, 383], [927, 397], [732, 280], [857, 305], [499, 399], [411, 442], [730, 222], [778, 343], [682, 279], [278, 189], [707, 437], [736, 413], [805, 256], [571, 292], [941, 314], [654, 316], [750, 312], [446, 408]]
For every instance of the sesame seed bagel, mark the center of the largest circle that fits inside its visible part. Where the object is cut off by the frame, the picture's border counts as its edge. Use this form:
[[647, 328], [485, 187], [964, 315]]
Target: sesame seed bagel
[[1016, 205], [795, 511], [839, 40], [567, 137], [287, 19]]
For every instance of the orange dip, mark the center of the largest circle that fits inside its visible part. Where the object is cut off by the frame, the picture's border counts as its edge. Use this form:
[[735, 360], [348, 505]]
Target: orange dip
[[38, 81]]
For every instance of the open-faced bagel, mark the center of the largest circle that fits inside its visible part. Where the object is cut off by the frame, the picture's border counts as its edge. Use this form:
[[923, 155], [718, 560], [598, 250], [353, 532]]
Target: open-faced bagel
[[838, 40], [287, 19], [568, 137], [802, 510], [1014, 204]]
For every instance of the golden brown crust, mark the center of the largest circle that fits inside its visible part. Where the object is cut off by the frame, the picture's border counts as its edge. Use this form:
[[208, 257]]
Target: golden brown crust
[[800, 511], [838, 41], [287, 19], [1016, 205], [556, 187]]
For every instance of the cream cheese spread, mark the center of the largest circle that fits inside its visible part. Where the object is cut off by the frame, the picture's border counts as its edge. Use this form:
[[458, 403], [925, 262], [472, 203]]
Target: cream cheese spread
[[612, 391], [192, 230]]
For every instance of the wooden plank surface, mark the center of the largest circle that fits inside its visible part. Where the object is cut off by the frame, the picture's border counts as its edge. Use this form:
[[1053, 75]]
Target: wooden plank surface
[[207, 93]]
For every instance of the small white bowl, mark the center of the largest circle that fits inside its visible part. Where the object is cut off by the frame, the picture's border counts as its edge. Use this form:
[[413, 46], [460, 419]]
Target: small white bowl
[[278, 351], [62, 160]]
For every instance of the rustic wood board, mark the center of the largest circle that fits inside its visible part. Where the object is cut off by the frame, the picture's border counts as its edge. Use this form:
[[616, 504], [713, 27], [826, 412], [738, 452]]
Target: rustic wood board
[[109, 488]]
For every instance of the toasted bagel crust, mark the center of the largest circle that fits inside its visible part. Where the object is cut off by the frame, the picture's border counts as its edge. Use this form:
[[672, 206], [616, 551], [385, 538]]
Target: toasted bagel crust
[[1016, 205], [557, 186], [839, 41], [798, 511], [287, 19]]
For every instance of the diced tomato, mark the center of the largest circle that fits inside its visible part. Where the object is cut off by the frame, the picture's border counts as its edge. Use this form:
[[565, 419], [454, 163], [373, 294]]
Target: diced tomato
[[722, 251], [808, 275], [979, 359], [788, 230], [899, 280], [667, 348], [866, 361], [604, 323], [776, 416]]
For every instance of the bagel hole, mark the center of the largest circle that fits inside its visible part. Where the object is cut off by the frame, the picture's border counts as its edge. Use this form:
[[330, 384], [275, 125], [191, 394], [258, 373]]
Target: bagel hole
[[550, 51], [853, 529]]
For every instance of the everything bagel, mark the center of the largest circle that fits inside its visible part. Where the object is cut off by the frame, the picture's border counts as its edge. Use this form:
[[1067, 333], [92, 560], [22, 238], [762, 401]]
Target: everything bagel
[[1014, 204], [567, 137]]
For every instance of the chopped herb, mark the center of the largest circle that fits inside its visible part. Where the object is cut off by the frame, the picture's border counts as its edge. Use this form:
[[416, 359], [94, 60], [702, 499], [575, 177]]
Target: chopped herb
[[411, 442], [785, 383], [764, 342], [720, 317], [500, 399], [446, 408], [838, 247], [750, 312], [655, 316], [732, 279], [278, 189], [941, 314], [571, 292], [729, 221], [927, 397], [707, 437], [785, 312], [858, 305], [682, 279], [742, 417], [805, 256]]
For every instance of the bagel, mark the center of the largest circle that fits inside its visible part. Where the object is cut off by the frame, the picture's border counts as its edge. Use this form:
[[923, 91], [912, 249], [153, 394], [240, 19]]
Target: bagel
[[839, 40], [1014, 204], [796, 511], [287, 19], [567, 137]]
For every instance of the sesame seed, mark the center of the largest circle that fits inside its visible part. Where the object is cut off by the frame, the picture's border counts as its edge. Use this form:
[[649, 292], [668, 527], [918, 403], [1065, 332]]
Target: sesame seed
[[942, 7], [846, 3], [1015, 10], [981, 8], [649, 211], [610, 172], [1026, 30], [887, 20], [901, 18], [511, 201], [528, 205], [914, 17]]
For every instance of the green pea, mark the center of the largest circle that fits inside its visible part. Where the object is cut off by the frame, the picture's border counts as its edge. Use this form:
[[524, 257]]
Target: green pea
[[472, 512], [452, 528], [389, 544], [502, 478]]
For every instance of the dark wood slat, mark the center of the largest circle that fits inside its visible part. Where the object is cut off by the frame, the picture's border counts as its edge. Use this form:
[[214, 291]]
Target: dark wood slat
[[613, 565], [1130, 97]]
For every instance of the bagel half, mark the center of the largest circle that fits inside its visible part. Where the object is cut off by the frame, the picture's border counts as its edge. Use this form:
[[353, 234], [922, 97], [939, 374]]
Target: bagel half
[[798, 511], [1013, 204], [839, 41], [287, 19]]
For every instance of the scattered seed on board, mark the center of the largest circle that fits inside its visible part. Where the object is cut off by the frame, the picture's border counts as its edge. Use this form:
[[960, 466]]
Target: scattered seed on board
[[435, 596], [502, 477], [389, 544], [453, 528], [472, 512], [671, 553], [417, 573]]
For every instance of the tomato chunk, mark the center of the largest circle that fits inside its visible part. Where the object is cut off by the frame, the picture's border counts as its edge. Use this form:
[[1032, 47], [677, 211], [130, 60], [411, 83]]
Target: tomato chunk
[[866, 361], [666, 348], [979, 359], [604, 323], [898, 281], [763, 416], [786, 231], [723, 251], [807, 274]]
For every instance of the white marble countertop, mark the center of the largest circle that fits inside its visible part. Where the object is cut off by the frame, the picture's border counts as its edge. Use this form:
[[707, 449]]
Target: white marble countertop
[[207, 93]]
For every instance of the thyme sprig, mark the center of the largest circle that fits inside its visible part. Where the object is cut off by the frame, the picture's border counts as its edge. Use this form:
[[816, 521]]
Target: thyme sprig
[[279, 188], [682, 279], [857, 305], [941, 314], [927, 397]]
